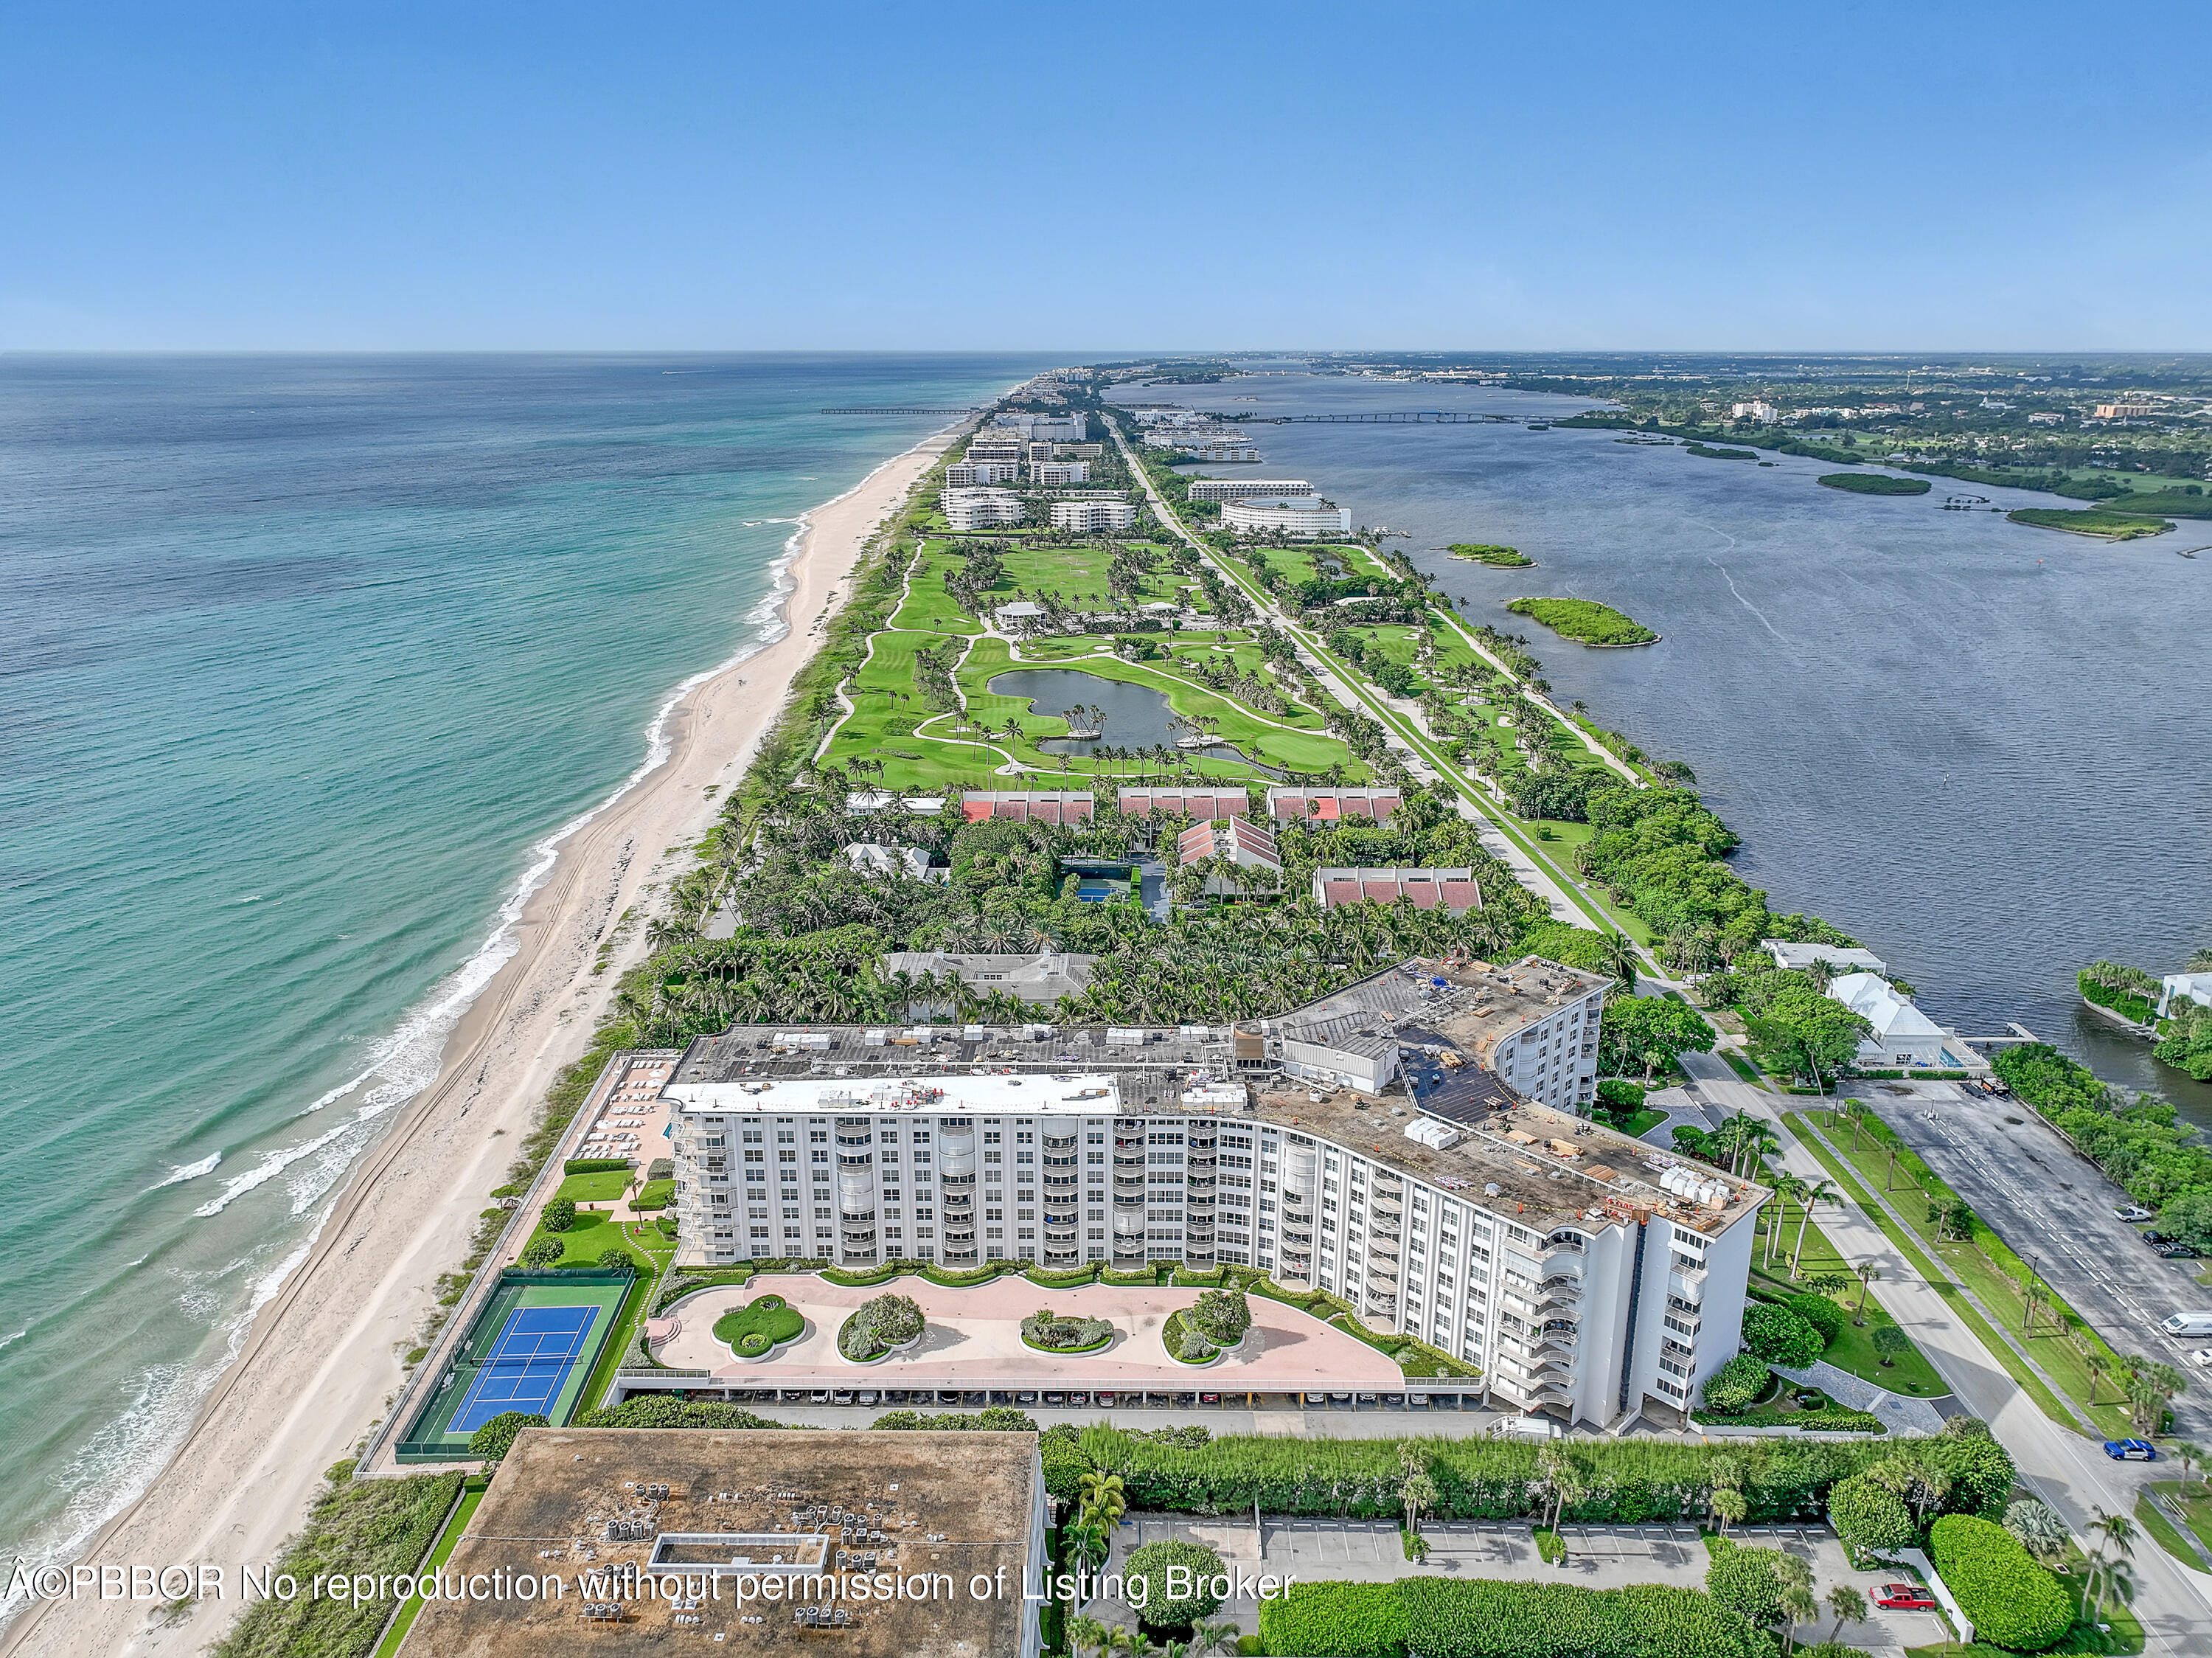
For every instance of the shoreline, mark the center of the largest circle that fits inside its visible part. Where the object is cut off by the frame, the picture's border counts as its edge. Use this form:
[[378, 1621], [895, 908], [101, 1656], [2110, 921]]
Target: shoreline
[[320, 1362]]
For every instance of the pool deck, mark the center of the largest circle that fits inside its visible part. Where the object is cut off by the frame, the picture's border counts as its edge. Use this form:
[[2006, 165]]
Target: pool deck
[[974, 1339]]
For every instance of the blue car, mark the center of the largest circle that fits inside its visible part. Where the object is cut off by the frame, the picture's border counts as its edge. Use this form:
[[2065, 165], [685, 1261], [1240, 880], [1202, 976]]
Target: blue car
[[2130, 1450]]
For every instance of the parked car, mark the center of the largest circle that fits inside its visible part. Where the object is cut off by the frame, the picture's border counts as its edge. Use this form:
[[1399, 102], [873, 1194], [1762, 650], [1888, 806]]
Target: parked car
[[2203, 1356], [2130, 1450], [1106, 1399], [1209, 1399], [2154, 1239], [2134, 1212], [841, 1396], [2187, 1324], [1903, 1597], [2177, 1252], [866, 1396]]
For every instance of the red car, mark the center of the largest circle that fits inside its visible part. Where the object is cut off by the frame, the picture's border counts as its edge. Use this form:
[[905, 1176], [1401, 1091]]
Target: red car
[[1903, 1597]]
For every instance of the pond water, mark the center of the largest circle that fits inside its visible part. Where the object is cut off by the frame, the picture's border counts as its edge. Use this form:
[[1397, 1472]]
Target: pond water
[[1135, 717]]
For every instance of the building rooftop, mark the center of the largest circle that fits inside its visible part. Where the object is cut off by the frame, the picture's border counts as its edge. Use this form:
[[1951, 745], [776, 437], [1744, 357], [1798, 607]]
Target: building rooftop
[[1034, 976], [1527, 1161], [1151, 1075], [593, 1504]]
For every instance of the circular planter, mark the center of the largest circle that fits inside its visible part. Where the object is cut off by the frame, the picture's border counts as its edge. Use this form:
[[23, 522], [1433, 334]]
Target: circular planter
[[1212, 1358], [771, 1350]]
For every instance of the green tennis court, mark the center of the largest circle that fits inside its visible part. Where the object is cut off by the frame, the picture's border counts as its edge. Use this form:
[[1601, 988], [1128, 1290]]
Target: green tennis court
[[530, 1348]]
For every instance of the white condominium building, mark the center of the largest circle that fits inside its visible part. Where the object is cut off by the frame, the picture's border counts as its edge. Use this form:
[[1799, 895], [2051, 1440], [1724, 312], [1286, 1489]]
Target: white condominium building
[[978, 509], [997, 445], [1050, 473], [972, 474], [1093, 515], [1587, 1274], [1045, 429], [1304, 517], [1247, 488]]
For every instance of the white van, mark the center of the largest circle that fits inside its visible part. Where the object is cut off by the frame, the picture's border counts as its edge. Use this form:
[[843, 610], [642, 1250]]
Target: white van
[[2189, 1324]]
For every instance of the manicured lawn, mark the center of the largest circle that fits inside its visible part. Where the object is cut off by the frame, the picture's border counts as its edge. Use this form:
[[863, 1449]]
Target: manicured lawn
[[606, 1186], [1853, 1350], [764, 1315], [2194, 1499], [2152, 1519]]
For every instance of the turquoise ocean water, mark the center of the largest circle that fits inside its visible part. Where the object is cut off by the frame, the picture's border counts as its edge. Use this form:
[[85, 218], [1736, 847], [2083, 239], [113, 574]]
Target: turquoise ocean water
[[301, 662]]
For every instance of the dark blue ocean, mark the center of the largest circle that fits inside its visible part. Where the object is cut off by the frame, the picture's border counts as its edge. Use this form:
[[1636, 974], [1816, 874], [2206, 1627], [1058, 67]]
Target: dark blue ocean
[[301, 661]]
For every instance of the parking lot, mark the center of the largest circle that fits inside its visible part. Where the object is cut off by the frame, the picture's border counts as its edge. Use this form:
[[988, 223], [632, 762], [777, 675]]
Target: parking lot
[[1598, 1557], [2055, 1208]]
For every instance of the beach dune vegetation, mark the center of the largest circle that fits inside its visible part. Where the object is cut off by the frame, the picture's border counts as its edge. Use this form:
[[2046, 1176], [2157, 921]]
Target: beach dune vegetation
[[1585, 621]]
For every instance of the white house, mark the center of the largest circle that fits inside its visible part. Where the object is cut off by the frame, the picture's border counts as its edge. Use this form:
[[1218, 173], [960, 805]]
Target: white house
[[1787, 954], [1300, 515], [2196, 987], [1902, 1036], [869, 859]]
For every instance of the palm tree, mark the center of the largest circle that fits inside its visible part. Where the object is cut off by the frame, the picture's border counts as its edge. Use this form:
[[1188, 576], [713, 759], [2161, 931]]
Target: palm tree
[[1786, 1186], [1617, 957], [1849, 1606], [1798, 1606], [1087, 1634], [2118, 1531], [1821, 1192], [1727, 1508], [1206, 1638], [1868, 1272]]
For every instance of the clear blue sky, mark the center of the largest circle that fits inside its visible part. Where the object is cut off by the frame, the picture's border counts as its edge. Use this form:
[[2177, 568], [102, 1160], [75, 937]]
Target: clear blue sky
[[489, 175]]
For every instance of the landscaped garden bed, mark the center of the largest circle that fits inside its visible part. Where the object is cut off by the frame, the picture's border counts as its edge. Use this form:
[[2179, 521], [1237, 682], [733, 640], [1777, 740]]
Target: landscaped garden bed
[[1053, 1332], [880, 1328], [755, 1330]]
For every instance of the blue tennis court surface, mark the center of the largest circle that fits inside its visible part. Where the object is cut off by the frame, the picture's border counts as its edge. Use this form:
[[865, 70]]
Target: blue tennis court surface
[[537, 1348]]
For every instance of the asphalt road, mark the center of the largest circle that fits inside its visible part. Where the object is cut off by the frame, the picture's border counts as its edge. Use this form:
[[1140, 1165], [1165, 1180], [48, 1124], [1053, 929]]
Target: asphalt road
[[2066, 1469], [2055, 1208]]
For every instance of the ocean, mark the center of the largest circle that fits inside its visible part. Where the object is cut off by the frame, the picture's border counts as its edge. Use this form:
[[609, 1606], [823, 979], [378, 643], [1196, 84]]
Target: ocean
[[307, 661], [1978, 747]]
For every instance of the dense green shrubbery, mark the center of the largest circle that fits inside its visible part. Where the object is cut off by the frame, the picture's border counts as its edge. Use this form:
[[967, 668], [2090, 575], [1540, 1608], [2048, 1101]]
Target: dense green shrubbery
[[2011, 1600], [594, 1165], [1064, 1333], [1736, 1384], [1867, 1516], [1479, 1619], [1776, 1335], [560, 1215], [1823, 1314], [496, 1438], [1875, 483], [2135, 1140], [380, 1527], [1222, 1316], [877, 1326], [666, 1410], [994, 1419], [1155, 1606], [1624, 1481]]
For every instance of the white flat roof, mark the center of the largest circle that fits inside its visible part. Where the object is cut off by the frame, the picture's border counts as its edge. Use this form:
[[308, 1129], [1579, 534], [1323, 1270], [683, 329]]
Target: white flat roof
[[958, 1093]]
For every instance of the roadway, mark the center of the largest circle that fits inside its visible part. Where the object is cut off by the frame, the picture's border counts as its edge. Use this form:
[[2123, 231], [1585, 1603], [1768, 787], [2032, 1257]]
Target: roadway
[[2066, 1470], [2056, 1207]]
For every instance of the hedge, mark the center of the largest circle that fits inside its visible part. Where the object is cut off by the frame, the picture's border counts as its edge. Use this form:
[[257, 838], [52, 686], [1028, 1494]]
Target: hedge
[[1625, 1482], [1867, 1516], [1439, 1618], [1779, 1336], [594, 1165], [1163, 1610], [2011, 1600], [1823, 1314]]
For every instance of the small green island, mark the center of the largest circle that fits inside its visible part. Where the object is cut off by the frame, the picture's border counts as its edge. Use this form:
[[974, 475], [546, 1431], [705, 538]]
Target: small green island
[[2099, 521], [1585, 621], [1712, 453], [1484, 552], [1874, 483]]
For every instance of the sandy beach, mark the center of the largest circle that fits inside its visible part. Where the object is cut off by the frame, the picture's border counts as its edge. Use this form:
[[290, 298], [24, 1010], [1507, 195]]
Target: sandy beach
[[323, 1360]]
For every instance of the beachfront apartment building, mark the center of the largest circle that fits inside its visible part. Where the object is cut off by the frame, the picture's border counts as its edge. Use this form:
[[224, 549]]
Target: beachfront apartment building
[[982, 510], [1056, 474], [1591, 1275], [1078, 451], [1093, 514], [1302, 515], [986, 446], [1247, 488], [1045, 428], [980, 474]]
